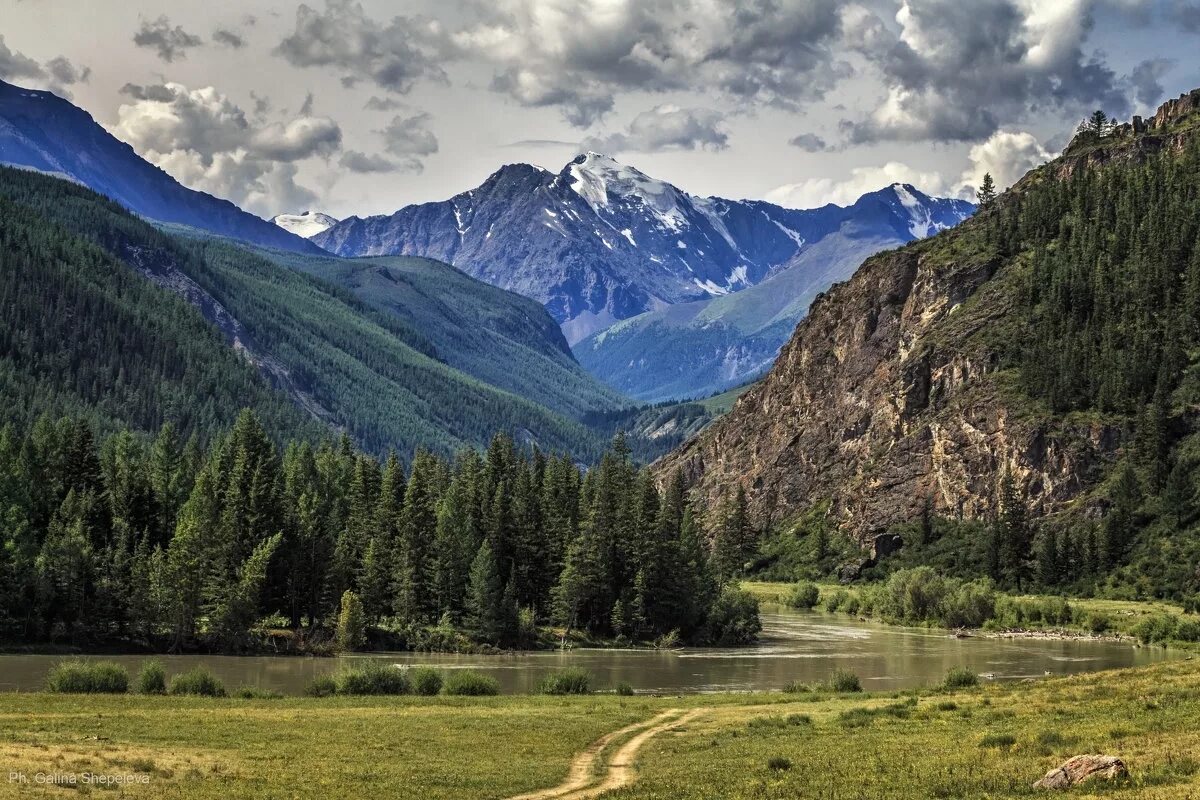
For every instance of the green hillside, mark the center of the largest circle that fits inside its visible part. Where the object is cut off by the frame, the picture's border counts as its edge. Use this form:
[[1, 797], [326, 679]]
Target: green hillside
[[358, 369], [497, 336], [85, 336]]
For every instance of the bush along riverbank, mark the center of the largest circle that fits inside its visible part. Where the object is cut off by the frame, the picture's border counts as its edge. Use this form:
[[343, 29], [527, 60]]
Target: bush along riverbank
[[920, 597]]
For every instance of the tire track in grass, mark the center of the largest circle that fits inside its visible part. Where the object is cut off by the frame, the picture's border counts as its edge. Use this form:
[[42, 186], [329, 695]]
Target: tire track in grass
[[585, 781]]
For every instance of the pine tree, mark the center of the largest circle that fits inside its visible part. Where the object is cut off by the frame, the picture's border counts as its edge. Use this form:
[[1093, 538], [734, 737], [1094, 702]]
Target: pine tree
[[486, 611], [987, 190]]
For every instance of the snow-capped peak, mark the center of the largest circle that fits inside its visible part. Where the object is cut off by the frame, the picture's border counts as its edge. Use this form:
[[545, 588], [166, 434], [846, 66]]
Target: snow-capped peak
[[306, 224], [602, 180]]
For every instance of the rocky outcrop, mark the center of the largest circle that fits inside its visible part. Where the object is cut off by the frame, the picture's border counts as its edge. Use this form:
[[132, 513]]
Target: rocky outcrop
[[1083, 768], [896, 390], [885, 396]]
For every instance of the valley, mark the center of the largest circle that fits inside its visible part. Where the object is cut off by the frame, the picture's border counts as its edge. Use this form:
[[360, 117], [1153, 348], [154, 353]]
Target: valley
[[746, 400]]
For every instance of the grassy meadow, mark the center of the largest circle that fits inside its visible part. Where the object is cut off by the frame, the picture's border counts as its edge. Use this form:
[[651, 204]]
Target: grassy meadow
[[984, 742]]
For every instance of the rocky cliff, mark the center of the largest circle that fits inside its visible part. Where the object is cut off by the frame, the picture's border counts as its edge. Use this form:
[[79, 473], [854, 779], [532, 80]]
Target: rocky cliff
[[896, 387]]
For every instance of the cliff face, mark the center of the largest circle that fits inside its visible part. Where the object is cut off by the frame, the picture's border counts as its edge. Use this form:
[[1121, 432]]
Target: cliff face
[[892, 390]]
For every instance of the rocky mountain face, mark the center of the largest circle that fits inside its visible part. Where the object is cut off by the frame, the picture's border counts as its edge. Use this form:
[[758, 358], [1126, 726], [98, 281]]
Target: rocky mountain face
[[699, 348], [895, 388], [41, 131], [600, 241]]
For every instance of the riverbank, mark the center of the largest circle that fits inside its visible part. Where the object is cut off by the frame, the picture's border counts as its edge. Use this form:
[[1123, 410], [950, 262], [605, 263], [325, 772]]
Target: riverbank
[[1075, 618], [993, 741]]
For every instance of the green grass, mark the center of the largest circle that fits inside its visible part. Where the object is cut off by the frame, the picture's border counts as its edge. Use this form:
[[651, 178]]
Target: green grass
[[993, 741]]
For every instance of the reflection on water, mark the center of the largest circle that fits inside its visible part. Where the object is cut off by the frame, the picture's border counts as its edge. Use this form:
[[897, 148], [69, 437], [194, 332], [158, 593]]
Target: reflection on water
[[804, 646]]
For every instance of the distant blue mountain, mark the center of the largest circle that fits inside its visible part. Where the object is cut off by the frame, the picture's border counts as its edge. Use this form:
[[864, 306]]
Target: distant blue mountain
[[695, 349], [600, 241], [41, 131]]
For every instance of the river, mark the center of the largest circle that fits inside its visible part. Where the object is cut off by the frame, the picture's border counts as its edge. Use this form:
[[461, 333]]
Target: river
[[795, 645]]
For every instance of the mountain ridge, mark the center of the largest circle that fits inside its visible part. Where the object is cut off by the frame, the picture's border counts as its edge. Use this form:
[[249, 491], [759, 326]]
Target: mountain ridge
[[596, 242], [44, 132]]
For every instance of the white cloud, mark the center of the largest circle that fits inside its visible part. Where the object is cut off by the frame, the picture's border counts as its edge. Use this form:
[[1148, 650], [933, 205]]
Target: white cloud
[[1007, 155], [204, 140], [816, 192]]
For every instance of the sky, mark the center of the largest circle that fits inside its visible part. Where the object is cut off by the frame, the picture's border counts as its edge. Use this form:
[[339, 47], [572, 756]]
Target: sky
[[364, 107]]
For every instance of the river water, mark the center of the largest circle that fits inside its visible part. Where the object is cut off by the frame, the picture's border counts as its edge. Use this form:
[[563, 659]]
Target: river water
[[795, 645]]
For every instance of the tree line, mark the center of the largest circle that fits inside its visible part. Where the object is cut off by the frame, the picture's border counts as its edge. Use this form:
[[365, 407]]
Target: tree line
[[166, 542]]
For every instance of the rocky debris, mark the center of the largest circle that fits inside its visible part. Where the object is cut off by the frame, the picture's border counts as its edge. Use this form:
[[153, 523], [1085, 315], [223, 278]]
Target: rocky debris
[[1082, 768]]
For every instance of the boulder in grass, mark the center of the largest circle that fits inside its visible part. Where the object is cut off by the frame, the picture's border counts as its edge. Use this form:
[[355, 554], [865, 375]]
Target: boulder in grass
[[1083, 768]]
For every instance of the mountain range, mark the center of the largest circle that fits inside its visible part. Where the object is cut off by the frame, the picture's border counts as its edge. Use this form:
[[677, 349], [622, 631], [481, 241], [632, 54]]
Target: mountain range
[[698, 348], [600, 241]]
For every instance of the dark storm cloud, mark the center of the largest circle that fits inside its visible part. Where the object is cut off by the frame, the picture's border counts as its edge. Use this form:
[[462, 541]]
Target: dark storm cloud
[[808, 142], [578, 57], [1146, 78], [363, 163], [667, 128], [957, 71], [228, 38], [14, 65], [170, 43], [392, 55]]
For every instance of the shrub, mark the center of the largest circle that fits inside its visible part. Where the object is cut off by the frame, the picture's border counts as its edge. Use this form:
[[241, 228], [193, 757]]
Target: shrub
[[779, 763], [1188, 630], [837, 600], [321, 686], [1158, 628], [1098, 622], [796, 687], [256, 693], [843, 680], [947, 705], [803, 595], [471, 684], [152, 678], [352, 623], [852, 605], [572, 680], [425, 681], [960, 678], [197, 680], [733, 619], [374, 678], [88, 677], [968, 605], [624, 689]]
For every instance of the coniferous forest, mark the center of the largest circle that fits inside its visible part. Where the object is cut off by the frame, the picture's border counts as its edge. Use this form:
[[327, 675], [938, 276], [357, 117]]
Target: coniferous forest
[[162, 543]]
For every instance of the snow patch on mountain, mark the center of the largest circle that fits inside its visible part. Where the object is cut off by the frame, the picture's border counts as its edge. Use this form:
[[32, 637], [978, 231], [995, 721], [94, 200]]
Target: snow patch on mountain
[[306, 224]]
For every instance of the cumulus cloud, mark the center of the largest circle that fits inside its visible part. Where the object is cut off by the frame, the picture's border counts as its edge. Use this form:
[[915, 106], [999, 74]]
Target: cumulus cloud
[[1146, 78], [169, 43], [1007, 155], [956, 71], [578, 56], [667, 127], [205, 140], [393, 55], [362, 163], [228, 38], [816, 192], [809, 142], [383, 104]]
